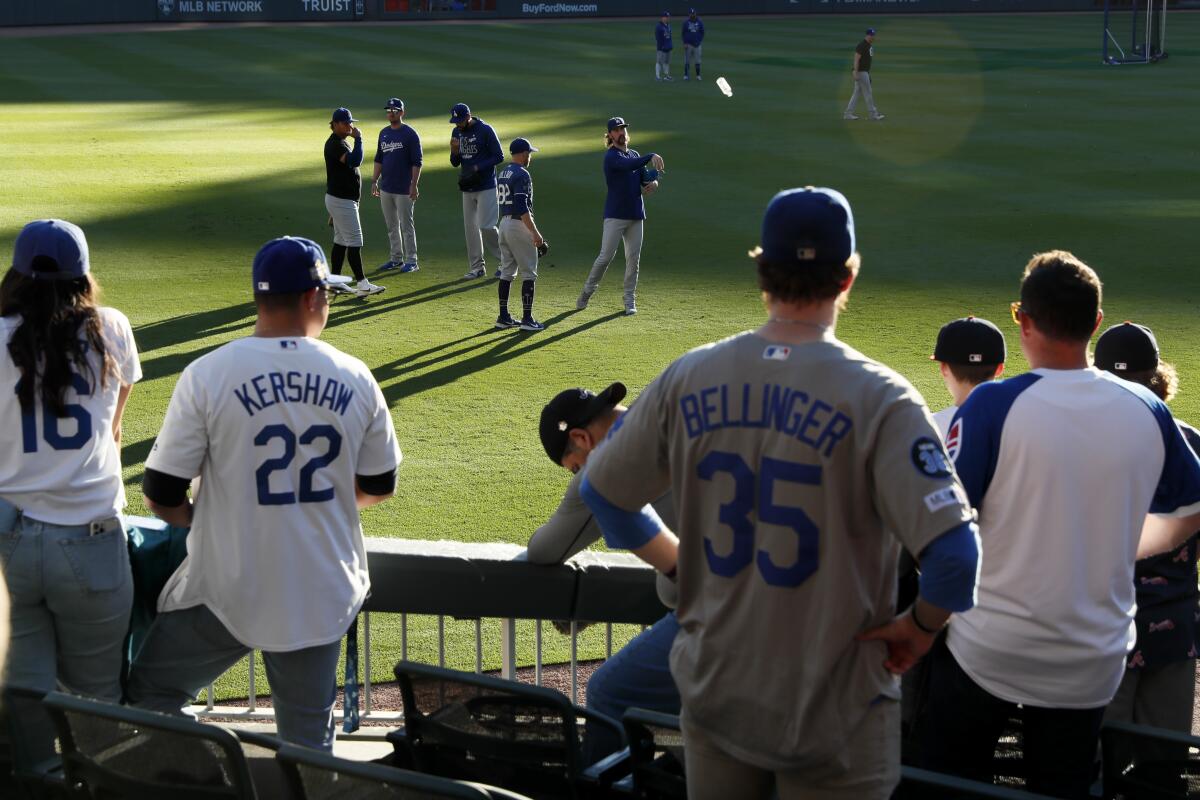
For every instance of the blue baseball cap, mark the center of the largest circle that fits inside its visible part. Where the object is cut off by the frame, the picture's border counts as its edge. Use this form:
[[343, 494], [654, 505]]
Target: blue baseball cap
[[51, 249], [1127, 347], [666, 14], [460, 113], [394, 103], [617, 122], [292, 264], [807, 226], [870, 31], [342, 115], [521, 145]]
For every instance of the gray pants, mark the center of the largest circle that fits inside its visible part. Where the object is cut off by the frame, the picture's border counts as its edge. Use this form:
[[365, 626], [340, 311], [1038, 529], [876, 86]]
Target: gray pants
[[347, 230], [480, 211], [402, 231], [862, 86], [188, 649], [691, 55], [518, 256], [1158, 696], [663, 62], [869, 770], [617, 231]]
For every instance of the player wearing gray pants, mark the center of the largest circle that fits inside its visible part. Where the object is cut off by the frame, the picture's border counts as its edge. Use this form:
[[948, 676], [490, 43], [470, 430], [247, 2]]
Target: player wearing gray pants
[[864, 52], [475, 151], [480, 212], [402, 229], [617, 231]]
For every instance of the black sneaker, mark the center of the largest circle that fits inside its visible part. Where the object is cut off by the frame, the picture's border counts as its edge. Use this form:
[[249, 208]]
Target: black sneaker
[[505, 322], [532, 325]]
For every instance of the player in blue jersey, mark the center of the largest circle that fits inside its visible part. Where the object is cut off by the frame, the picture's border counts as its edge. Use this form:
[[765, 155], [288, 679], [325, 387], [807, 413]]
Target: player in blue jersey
[[1063, 464], [476, 151], [693, 36], [663, 45], [624, 211], [520, 238], [397, 170]]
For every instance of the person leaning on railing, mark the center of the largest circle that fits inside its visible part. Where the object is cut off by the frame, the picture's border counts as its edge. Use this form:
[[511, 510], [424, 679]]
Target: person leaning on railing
[[67, 367]]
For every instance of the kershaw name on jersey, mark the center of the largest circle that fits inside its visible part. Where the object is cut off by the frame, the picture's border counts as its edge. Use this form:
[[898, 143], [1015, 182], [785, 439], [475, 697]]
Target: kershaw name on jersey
[[267, 389]]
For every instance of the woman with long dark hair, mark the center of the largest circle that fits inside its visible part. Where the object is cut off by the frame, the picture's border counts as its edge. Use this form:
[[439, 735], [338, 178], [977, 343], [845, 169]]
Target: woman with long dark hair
[[66, 369]]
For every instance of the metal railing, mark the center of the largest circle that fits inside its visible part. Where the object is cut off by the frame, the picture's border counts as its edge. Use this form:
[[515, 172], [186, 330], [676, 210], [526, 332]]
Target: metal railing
[[487, 581]]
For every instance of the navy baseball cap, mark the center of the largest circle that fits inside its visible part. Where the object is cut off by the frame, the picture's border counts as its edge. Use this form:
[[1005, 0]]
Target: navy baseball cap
[[521, 145], [51, 249], [666, 14], [459, 113], [1127, 347], [395, 103], [870, 31], [969, 341], [292, 264], [805, 226], [574, 408], [342, 115], [617, 122]]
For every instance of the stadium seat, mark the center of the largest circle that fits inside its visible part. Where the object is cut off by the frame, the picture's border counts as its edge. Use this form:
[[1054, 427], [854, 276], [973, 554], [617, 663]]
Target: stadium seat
[[35, 775], [117, 751], [656, 755], [920, 784], [479, 728], [314, 775], [1145, 763]]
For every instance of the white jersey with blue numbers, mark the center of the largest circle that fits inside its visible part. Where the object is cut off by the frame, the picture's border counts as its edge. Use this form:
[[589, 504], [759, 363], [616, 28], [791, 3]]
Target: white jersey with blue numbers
[[514, 191], [67, 471], [277, 429], [791, 467], [1063, 466]]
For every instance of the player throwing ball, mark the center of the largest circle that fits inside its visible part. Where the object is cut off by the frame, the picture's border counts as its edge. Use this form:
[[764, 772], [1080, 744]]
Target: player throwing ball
[[520, 240], [624, 211], [794, 462], [290, 437]]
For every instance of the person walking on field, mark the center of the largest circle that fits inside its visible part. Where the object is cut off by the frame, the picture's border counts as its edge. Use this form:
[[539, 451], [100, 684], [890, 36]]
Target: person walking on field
[[864, 52]]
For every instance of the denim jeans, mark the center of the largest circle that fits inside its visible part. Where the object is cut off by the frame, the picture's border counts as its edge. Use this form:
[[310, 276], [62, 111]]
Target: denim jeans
[[188, 649], [637, 676], [962, 722]]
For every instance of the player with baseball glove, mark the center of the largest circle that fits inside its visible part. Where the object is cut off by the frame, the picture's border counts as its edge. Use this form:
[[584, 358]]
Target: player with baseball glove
[[521, 243]]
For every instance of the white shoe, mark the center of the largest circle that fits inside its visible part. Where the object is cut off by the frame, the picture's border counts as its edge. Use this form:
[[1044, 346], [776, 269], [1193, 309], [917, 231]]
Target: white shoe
[[630, 310], [878, 116], [849, 116], [343, 288], [365, 288]]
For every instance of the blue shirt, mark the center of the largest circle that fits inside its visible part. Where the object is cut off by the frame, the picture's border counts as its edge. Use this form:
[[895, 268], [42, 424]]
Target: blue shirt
[[398, 150], [662, 36], [478, 151], [623, 174], [514, 190], [693, 32]]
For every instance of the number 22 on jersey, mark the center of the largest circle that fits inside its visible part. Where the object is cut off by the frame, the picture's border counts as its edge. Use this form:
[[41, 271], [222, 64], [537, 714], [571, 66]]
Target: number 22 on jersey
[[756, 493], [307, 493]]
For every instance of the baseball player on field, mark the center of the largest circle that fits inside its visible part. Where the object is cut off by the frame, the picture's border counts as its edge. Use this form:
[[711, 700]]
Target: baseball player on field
[[1158, 687], [397, 172], [864, 52], [572, 426], [1063, 464], [662, 48], [343, 187], [624, 211], [520, 239], [475, 150], [794, 462], [969, 351], [290, 438], [693, 38]]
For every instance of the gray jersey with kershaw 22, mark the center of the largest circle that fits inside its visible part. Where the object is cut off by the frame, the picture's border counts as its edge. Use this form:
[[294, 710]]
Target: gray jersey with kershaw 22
[[789, 465]]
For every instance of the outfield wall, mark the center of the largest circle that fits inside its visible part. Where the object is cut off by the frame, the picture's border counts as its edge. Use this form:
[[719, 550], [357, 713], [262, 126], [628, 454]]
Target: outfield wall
[[64, 12]]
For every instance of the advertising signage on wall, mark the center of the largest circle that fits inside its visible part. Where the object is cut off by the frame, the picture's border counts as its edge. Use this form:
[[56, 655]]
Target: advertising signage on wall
[[245, 10]]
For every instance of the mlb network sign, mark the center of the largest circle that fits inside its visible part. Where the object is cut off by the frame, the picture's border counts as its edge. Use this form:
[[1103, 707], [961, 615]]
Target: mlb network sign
[[237, 10]]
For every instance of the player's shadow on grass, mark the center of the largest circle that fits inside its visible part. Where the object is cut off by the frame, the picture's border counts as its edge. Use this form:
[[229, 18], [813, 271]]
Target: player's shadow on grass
[[356, 309], [189, 327], [136, 453], [513, 345]]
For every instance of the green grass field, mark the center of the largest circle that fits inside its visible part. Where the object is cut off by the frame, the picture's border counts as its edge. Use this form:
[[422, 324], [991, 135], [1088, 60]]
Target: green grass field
[[181, 151]]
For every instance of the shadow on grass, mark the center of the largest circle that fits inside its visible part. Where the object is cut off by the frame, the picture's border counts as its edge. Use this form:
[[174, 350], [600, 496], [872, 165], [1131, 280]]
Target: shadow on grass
[[356, 308], [187, 327], [511, 346]]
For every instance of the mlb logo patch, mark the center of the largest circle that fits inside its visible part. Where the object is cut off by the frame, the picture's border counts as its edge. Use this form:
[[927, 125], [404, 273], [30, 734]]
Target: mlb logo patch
[[288, 344], [264, 286], [954, 439], [975, 358], [1121, 365], [777, 352]]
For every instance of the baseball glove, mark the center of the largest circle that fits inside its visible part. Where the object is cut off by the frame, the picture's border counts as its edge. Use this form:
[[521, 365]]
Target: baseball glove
[[470, 181], [543, 248], [649, 175]]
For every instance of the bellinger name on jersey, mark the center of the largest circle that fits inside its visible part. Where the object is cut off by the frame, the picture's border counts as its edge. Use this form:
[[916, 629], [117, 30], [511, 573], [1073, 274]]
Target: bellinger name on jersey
[[789, 411], [269, 388]]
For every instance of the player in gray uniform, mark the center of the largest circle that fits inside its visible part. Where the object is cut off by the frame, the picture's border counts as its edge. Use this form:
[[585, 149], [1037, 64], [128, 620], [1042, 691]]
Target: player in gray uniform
[[794, 462], [864, 52], [520, 239], [573, 425]]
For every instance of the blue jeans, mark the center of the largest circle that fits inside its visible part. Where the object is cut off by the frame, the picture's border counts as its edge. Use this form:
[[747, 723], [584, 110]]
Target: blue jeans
[[71, 596], [637, 676], [188, 649]]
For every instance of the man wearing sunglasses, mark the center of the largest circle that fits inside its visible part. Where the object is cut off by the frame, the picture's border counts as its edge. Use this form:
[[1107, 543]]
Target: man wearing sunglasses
[[1063, 464]]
